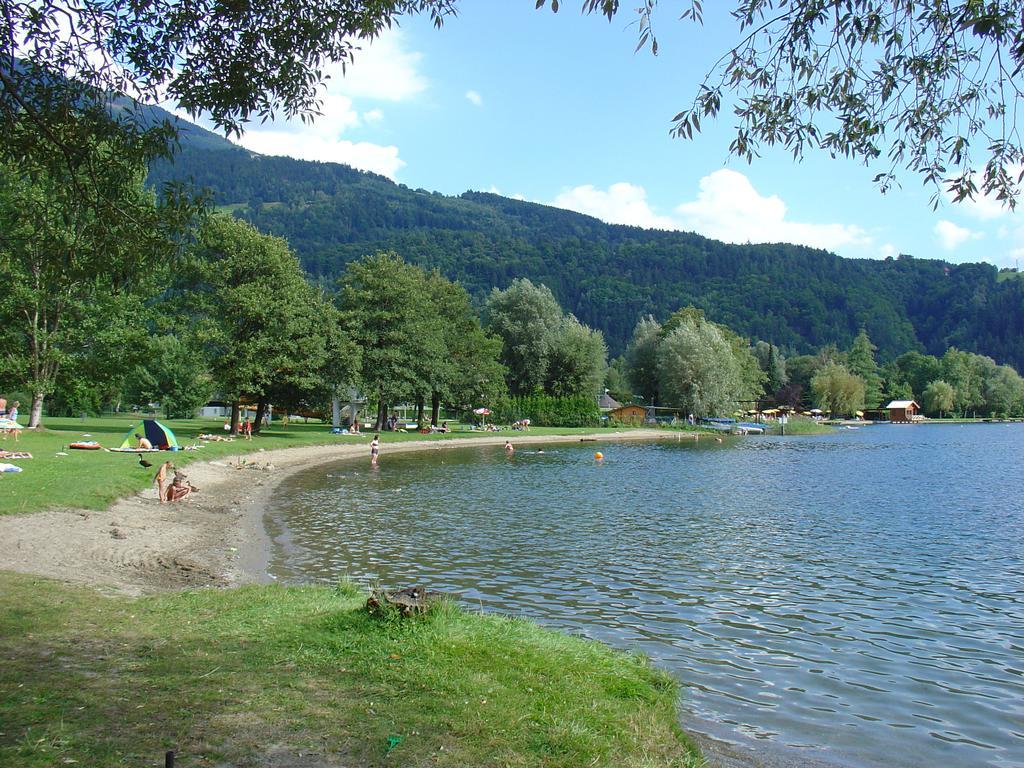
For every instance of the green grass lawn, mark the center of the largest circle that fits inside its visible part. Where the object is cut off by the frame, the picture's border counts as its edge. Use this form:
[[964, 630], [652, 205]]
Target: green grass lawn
[[239, 676], [95, 479]]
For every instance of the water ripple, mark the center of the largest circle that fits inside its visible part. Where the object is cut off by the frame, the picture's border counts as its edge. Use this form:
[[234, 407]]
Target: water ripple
[[863, 591]]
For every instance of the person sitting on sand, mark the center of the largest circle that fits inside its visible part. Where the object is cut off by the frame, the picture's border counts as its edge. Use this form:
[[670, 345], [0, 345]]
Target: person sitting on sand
[[144, 444], [180, 488], [161, 480]]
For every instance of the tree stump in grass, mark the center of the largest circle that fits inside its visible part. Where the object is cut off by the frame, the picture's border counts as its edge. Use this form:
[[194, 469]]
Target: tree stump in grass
[[408, 602]]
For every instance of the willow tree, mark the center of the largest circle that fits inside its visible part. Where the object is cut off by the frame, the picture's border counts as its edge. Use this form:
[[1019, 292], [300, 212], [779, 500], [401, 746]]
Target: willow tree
[[697, 369], [528, 319], [837, 390], [932, 87], [233, 61]]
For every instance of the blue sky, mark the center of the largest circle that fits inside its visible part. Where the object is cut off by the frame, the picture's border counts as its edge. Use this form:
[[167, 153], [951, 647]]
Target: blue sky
[[559, 109]]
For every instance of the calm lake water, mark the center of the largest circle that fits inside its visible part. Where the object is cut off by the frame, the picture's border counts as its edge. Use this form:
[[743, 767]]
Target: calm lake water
[[859, 595]]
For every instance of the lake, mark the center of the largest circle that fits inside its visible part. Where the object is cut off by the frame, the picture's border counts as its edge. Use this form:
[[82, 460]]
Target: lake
[[858, 596]]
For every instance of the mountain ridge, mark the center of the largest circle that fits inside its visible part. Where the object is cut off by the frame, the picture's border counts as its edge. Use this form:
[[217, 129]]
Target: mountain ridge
[[609, 275]]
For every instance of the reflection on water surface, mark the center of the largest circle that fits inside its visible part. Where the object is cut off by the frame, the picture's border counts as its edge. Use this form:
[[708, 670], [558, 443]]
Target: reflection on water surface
[[863, 591]]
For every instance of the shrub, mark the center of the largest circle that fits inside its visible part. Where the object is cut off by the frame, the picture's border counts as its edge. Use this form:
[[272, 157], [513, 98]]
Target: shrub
[[548, 411]]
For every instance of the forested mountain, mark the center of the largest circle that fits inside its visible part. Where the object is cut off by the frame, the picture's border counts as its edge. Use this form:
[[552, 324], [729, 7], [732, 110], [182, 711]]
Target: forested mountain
[[610, 275]]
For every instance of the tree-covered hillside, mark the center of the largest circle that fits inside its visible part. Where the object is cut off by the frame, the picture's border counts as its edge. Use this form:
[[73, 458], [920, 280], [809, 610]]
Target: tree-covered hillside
[[798, 298]]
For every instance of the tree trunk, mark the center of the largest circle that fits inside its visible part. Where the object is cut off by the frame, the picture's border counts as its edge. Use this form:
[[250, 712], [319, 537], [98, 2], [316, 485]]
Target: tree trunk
[[261, 410], [419, 411], [435, 408], [234, 418], [382, 415], [35, 418]]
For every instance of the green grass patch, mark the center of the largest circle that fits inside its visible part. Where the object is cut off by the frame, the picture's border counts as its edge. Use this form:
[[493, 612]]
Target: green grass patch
[[237, 676], [95, 479], [799, 425]]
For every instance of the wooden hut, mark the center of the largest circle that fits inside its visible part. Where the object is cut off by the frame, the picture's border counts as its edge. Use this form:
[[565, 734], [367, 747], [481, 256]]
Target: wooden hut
[[628, 414], [903, 411]]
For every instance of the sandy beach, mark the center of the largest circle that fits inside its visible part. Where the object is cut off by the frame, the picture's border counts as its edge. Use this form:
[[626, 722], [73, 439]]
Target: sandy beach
[[215, 538]]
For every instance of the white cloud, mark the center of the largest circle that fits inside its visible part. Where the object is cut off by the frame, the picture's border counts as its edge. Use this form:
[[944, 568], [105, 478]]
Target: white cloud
[[888, 251], [951, 236], [621, 203], [362, 155], [728, 208], [475, 98], [382, 70]]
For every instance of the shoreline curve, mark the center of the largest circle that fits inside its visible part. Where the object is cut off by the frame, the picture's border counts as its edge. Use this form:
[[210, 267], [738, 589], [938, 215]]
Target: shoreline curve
[[215, 538]]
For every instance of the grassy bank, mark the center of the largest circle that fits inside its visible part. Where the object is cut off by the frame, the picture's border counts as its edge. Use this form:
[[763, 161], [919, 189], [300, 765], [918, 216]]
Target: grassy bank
[[803, 426], [265, 675], [95, 479]]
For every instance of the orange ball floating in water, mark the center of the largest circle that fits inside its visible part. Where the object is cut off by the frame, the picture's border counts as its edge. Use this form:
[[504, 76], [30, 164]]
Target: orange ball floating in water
[[598, 455]]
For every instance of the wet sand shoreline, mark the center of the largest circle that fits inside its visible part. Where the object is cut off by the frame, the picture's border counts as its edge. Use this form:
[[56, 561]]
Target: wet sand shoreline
[[215, 538]]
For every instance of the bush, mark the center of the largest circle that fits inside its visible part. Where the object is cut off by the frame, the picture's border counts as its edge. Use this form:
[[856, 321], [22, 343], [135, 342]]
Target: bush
[[548, 411]]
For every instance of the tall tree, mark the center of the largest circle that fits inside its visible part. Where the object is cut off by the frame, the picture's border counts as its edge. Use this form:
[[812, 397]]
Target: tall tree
[[938, 397], [261, 323], [74, 246], [959, 370], [1004, 392], [918, 370], [387, 313], [468, 371], [837, 390], [577, 361], [697, 369], [528, 320], [174, 373], [860, 360], [642, 359], [773, 364]]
